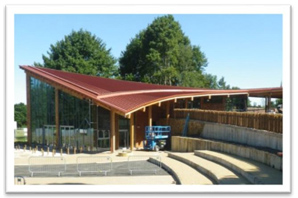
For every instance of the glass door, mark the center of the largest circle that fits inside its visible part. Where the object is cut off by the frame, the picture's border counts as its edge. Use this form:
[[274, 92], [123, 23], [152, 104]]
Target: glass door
[[123, 132], [104, 139]]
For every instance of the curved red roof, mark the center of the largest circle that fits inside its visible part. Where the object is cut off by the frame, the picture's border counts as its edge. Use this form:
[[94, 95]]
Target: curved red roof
[[128, 96]]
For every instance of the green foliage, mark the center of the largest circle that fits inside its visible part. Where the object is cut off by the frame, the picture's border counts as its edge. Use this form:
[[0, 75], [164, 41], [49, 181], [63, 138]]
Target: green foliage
[[211, 81], [278, 102], [81, 52], [162, 54], [20, 114]]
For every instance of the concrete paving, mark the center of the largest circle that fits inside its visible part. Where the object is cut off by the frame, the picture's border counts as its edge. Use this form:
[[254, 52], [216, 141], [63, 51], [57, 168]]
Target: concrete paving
[[71, 177], [216, 172], [221, 172], [131, 180], [255, 172]]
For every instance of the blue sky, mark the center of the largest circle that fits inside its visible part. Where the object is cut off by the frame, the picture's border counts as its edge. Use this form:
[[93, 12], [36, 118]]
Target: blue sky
[[245, 49]]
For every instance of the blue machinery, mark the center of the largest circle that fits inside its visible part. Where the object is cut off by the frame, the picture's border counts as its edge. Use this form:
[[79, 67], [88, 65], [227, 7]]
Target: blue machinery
[[156, 137]]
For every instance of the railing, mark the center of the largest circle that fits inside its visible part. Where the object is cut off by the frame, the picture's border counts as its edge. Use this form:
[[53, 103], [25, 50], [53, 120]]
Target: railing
[[48, 165], [137, 163], [94, 164], [262, 121]]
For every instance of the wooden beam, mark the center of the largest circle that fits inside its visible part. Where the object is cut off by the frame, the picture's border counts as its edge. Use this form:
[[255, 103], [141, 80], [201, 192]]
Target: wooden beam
[[112, 136], [28, 87], [186, 103], [57, 118], [150, 116], [132, 131]]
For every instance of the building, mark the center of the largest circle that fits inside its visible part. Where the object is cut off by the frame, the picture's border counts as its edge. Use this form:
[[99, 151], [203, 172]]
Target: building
[[74, 110]]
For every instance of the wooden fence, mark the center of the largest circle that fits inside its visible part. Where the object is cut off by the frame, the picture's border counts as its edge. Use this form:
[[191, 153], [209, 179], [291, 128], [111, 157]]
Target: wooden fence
[[263, 121]]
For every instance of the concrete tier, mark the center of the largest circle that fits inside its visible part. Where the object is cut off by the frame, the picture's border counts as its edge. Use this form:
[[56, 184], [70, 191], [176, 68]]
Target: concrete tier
[[218, 173], [255, 172]]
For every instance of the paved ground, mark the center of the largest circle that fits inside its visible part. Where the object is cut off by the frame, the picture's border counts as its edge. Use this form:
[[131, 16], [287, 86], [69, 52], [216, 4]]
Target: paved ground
[[120, 174]]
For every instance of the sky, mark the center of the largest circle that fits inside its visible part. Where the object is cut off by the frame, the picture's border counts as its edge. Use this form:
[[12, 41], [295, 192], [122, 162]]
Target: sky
[[245, 49]]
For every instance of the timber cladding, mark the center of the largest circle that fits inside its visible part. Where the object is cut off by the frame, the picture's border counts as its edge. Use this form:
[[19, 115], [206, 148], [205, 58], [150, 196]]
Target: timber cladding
[[195, 128], [262, 121]]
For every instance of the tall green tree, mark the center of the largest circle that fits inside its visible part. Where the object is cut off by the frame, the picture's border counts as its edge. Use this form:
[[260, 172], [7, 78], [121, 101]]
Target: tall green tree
[[162, 54], [81, 52], [20, 114], [211, 81]]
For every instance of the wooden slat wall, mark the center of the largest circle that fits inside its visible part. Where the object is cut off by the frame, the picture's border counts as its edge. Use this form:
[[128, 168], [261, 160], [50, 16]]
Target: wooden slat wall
[[269, 122]]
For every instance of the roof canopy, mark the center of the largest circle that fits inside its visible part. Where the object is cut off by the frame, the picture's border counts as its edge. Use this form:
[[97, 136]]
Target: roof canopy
[[126, 97]]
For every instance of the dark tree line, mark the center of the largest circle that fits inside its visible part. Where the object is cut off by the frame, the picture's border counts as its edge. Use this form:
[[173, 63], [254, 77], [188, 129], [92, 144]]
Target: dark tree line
[[20, 113]]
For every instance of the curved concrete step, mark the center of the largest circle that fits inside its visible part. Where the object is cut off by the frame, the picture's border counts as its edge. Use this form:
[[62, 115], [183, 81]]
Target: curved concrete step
[[255, 172], [182, 173], [218, 173]]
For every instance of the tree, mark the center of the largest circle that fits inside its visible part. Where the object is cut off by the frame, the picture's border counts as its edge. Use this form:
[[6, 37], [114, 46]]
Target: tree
[[211, 81], [81, 52], [162, 54], [20, 114], [222, 84], [278, 101]]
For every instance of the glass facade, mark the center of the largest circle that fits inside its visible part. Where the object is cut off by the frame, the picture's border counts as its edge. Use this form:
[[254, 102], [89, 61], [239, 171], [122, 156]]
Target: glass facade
[[81, 123], [103, 128], [75, 118], [42, 99]]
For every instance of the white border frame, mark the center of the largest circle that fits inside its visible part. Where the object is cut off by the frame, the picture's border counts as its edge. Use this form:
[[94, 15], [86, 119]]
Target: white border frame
[[285, 10]]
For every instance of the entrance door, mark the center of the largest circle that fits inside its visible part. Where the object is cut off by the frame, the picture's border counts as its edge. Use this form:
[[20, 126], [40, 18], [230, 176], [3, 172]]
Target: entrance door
[[104, 139], [123, 132], [123, 138]]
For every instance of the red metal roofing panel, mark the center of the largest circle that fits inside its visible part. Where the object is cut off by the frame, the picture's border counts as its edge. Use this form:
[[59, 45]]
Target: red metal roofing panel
[[126, 96]]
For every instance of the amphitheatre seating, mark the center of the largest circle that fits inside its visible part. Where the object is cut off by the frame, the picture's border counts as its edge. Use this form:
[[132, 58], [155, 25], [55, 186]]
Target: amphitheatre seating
[[216, 172], [255, 172], [182, 173]]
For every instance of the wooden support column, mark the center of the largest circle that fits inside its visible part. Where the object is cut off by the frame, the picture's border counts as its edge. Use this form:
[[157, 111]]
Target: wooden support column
[[112, 137], [150, 116], [95, 125], [167, 112], [28, 87], [132, 131], [117, 131], [186, 104], [57, 118], [269, 102]]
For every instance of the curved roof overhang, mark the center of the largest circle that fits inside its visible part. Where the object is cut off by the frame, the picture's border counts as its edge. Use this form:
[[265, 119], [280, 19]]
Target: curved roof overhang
[[125, 97]]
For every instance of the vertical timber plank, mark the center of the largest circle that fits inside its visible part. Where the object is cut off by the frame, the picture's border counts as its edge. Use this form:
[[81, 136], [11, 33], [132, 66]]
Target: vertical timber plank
[[167, 112], [132, 131], [112, 138], [150, 116], [28, 87], [57, 118]]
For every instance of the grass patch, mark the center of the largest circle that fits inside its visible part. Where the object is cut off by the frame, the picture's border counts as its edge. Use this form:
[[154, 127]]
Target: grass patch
[[20, 136]]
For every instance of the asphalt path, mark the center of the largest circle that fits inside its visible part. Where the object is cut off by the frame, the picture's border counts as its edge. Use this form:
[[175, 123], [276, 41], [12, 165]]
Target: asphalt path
[[143, 168]]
